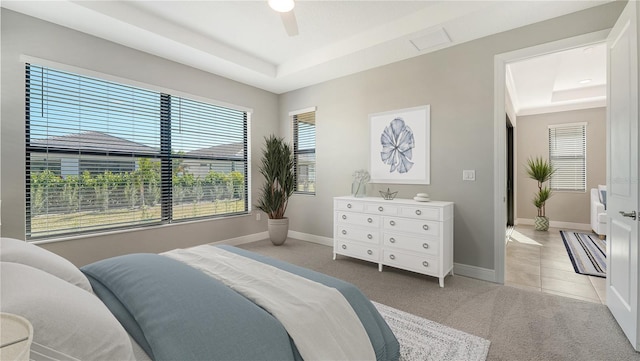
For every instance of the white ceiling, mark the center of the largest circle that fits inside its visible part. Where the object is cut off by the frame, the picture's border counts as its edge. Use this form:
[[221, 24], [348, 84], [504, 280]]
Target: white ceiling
[[567, 80], [246, 41]]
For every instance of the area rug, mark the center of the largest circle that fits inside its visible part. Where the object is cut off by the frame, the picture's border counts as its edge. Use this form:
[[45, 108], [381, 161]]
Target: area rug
[[587, 253], [422, 339]]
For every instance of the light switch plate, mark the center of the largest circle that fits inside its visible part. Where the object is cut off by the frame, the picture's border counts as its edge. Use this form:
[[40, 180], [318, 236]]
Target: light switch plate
[[469, 175]]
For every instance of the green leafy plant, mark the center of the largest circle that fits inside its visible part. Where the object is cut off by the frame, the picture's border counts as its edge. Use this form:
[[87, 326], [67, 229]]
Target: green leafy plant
[[541, 170], [276, 166]]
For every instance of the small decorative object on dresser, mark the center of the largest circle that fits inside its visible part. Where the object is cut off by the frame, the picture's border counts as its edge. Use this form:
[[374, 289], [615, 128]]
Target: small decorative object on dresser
[[388, 194], [359, 186], [402, 233]]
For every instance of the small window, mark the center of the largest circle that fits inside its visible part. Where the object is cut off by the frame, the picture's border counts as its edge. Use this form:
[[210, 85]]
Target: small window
[[567, 154], [304, 150]]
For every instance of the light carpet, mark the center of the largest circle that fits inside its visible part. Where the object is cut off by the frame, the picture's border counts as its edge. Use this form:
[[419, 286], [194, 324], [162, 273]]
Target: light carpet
[[422, 339], [587, 253]]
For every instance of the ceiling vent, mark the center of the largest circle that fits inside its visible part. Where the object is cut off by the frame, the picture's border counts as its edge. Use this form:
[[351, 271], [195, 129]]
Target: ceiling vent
[[431, 40]]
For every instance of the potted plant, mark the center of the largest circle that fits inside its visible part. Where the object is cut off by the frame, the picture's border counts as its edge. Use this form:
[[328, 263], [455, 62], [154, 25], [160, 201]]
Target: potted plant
[[540, 170], [276, 166]]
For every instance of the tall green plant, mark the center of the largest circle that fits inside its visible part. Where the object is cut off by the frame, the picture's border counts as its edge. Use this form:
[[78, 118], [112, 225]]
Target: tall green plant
[[276, 166], [541, 170]]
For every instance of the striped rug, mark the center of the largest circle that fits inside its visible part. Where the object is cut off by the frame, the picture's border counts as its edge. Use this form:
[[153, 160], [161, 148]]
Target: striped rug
[[587, 253]]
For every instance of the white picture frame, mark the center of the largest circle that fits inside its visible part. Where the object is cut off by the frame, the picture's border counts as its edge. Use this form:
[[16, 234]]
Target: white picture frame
[[400, 146]]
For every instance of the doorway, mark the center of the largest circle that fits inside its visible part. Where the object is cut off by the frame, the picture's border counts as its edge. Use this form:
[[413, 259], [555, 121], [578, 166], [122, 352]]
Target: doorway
[[556, 111], [510, 176], [500, 135]]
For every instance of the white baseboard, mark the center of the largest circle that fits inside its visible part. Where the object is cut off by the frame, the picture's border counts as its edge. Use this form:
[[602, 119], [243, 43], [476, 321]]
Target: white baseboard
[[325, 241], [480, 273], [556, 224], [245, 239]]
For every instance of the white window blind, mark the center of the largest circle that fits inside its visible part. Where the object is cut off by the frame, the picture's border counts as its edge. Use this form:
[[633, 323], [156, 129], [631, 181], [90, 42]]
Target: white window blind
[[304, 149], [567, 154], [103, 155]]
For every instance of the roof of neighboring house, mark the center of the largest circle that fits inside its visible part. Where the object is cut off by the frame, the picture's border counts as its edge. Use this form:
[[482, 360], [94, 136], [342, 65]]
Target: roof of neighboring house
[[94, 141], [231, 150]]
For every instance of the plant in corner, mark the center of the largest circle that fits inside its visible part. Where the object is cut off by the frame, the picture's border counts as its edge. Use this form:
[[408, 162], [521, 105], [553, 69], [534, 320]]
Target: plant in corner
[[541, 170], [276, 166]]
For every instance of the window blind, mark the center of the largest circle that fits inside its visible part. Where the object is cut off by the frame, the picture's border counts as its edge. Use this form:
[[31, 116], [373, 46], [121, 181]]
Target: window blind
[[567, 154], [103, 155], [304, 149]]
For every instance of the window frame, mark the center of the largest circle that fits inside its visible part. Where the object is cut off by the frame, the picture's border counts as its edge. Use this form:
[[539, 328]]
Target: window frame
[[164, 155], [554, 158], [297, 152]]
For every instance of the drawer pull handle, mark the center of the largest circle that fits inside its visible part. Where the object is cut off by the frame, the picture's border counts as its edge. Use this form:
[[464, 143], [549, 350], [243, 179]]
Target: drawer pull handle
[[425, 245], [392, 240], [344, 231], [369, 220], [418, 212], [344, 246], [393, 223], [425, 263], [392, 256], [380, 209], [344, 216], [369, 252], [348, 205], [369, 236], [425, 227]]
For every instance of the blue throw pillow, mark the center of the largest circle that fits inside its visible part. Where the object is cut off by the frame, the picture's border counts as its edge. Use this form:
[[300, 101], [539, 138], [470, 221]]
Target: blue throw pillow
[[603, 198]]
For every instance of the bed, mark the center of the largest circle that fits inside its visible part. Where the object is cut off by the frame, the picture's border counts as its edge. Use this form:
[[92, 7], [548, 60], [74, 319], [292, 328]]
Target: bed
[[203, 303]]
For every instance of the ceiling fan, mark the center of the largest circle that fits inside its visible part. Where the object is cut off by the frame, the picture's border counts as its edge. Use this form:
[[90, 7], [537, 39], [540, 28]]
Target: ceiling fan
[[285, 8]]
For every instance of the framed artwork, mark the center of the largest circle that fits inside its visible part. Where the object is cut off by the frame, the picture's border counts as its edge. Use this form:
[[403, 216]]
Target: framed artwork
[[399, 150]]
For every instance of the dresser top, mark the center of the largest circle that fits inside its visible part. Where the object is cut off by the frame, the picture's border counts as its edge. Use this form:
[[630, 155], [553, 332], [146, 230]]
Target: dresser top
[[395, 201]]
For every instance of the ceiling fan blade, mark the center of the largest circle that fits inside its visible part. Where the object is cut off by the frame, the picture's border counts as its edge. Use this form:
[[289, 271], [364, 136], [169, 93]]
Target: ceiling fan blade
[[290, 23]]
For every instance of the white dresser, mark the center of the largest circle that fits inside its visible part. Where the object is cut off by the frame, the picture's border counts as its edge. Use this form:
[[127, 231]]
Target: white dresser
[[402, 233]]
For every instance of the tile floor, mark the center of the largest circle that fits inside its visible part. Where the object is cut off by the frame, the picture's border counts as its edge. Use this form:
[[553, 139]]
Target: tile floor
[[539, 261]]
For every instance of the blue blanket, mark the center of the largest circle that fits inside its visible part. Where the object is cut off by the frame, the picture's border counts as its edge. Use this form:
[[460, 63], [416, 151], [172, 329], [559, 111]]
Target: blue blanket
[[175, 312]]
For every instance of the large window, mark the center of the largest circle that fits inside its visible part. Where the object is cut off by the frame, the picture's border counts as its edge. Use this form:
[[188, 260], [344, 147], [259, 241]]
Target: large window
[[304, 149], [567, 153], [102, 155]]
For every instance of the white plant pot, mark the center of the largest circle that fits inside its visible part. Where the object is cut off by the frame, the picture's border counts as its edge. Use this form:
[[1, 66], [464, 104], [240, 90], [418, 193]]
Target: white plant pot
[[541, 224], [278, 230]]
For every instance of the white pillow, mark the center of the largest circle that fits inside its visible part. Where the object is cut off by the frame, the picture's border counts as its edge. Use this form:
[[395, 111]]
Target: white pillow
[[17, 251], [65, 318]]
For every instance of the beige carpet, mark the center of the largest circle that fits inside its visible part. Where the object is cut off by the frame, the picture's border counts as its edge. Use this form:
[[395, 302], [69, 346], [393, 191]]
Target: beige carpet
[[521, 324]]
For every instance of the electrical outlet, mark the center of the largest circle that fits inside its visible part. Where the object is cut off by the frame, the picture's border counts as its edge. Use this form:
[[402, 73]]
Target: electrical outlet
[[258, 216]]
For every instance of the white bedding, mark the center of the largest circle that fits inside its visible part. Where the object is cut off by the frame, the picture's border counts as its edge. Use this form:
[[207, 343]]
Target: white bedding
[[318, 318]]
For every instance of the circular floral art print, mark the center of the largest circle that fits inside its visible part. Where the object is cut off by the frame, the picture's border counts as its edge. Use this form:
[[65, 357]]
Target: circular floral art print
[[397, 144]]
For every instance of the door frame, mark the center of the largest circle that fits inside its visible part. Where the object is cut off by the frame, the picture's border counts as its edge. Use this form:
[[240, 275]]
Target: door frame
[[499, 136]]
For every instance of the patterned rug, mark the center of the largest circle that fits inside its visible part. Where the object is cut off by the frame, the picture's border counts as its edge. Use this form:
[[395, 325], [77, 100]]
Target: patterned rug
[[587, 252], [421, 339]]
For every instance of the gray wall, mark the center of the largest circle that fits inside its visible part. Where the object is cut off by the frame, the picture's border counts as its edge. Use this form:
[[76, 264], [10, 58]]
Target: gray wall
[[533, 140], [26, 35], [458, 84]]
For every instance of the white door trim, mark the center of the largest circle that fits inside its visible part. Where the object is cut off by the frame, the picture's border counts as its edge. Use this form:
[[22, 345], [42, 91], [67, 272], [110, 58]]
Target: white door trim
[[499, 138]]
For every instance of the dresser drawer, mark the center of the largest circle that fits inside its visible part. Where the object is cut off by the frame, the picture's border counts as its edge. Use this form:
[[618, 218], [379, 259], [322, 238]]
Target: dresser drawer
[[371, 253], [412, 262], [358, 234], [346, 205], [413, 244], [427, 213], [360, 219], [381, 208], [419, 227]]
